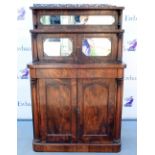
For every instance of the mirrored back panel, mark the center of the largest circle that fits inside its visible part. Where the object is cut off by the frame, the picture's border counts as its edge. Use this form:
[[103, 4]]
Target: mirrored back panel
[[77, 20], [109, 19], [78, 48], [57, 47], [96, 46]]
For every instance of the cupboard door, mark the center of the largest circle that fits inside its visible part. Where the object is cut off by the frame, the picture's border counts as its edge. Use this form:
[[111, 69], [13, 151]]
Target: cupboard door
[[57, 104], [96, 108]]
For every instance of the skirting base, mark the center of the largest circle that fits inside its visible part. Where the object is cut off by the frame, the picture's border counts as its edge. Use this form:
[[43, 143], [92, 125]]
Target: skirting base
[[80, 147]]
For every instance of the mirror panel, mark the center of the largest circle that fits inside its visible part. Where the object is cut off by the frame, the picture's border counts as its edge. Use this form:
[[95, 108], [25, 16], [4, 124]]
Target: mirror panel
[[77, 20], [96, 46], [57, 47]]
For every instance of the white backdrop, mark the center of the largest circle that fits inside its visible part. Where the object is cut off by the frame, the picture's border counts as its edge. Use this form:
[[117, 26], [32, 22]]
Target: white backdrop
[[24, 53]]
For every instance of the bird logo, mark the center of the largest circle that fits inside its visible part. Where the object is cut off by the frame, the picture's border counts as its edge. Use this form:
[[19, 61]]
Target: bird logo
[[132, 45], [23, 74], [21, 13], [129, 101]]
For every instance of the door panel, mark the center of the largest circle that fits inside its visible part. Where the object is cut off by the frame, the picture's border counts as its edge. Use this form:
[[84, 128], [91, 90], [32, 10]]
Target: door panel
[[58, 112], [96, 102]]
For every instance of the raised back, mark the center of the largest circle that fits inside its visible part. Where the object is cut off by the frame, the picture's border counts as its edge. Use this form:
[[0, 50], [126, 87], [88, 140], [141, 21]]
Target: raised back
[[81, 33]]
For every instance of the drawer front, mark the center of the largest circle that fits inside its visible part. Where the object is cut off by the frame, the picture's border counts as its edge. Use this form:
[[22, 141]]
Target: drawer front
[[97, 73], [55, 73], [77, 73]]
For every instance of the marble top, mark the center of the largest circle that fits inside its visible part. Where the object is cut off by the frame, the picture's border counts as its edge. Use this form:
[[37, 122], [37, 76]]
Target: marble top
[[75, 6]]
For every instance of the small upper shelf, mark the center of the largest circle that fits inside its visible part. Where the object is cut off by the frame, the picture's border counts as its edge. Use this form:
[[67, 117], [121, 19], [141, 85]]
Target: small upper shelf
[[71, 29], [77, 33], [77, 15], [76, 6]]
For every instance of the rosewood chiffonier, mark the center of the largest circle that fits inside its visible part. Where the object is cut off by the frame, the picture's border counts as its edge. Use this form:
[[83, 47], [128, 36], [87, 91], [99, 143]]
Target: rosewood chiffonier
[[77, 77]]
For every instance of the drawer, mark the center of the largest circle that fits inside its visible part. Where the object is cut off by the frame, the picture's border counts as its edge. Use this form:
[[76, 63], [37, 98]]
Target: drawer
[[76, 73], [97, 73]]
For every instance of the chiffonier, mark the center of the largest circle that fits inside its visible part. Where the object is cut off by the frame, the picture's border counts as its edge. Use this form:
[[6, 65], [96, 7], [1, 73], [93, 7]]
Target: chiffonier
[[77, 77]]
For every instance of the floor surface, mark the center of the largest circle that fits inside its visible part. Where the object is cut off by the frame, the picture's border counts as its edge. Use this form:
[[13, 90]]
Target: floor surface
[[25, 136]]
